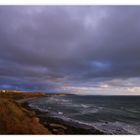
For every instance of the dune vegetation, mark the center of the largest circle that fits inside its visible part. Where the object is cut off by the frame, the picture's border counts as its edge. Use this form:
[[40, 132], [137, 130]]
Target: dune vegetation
[[14, 119]]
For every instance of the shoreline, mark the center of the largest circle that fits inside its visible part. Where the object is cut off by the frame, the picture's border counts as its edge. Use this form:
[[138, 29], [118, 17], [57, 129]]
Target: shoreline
[[17, 116], [60, 126]]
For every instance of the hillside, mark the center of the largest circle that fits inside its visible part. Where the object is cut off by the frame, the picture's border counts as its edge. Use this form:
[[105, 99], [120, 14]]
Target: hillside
[[15, 119]]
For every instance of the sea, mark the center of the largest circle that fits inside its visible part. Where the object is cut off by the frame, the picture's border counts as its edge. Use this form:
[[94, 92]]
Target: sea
[[111, 114]]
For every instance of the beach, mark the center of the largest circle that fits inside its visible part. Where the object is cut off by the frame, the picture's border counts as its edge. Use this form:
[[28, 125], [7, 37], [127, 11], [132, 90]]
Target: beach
[[67, 114], [60, 126], [117, 115], [17, 117]]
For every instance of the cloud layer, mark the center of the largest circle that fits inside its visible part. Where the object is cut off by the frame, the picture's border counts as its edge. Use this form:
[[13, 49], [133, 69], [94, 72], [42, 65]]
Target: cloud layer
[[50, 48]]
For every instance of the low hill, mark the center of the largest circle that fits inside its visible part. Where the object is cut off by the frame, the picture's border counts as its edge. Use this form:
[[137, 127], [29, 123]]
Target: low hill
[[14, 119]]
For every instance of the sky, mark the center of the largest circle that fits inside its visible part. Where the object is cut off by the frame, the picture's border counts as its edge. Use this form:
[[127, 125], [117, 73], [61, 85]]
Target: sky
[[73, 49]]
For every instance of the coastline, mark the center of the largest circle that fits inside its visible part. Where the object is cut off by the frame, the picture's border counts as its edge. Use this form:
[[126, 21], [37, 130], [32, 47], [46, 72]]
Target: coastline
[[60, 126], [17, 116]]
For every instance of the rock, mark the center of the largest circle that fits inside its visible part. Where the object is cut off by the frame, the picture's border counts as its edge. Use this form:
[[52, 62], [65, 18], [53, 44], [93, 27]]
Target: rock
[[58, 126], [55, 131], [58, 131]]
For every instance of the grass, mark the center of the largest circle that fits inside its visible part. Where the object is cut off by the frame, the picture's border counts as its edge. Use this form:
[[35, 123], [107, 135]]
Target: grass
[[21, 95], [14, 119]]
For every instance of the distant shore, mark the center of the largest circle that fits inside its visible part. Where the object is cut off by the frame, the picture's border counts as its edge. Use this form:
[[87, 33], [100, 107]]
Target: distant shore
[[25, 120]]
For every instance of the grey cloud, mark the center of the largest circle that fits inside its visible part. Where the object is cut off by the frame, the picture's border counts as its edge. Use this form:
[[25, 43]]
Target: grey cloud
[[54, 45]]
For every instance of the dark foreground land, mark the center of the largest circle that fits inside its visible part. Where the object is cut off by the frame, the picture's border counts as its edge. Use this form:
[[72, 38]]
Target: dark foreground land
[[16, 117]]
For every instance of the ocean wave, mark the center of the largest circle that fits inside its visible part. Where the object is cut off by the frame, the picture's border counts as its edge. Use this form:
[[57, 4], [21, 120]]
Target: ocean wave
[[38, 108], [110, 119], [116, 127]]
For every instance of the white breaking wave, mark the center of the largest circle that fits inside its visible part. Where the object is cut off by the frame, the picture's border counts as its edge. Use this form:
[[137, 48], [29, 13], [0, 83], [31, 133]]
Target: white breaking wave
[[116, 127]]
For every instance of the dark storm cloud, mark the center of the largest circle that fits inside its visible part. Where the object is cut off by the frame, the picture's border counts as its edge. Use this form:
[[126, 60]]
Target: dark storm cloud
[[50, 46]]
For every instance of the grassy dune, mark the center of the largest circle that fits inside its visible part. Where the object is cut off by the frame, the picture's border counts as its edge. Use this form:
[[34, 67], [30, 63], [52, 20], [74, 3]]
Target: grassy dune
[[15, 119], [20, 95]]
